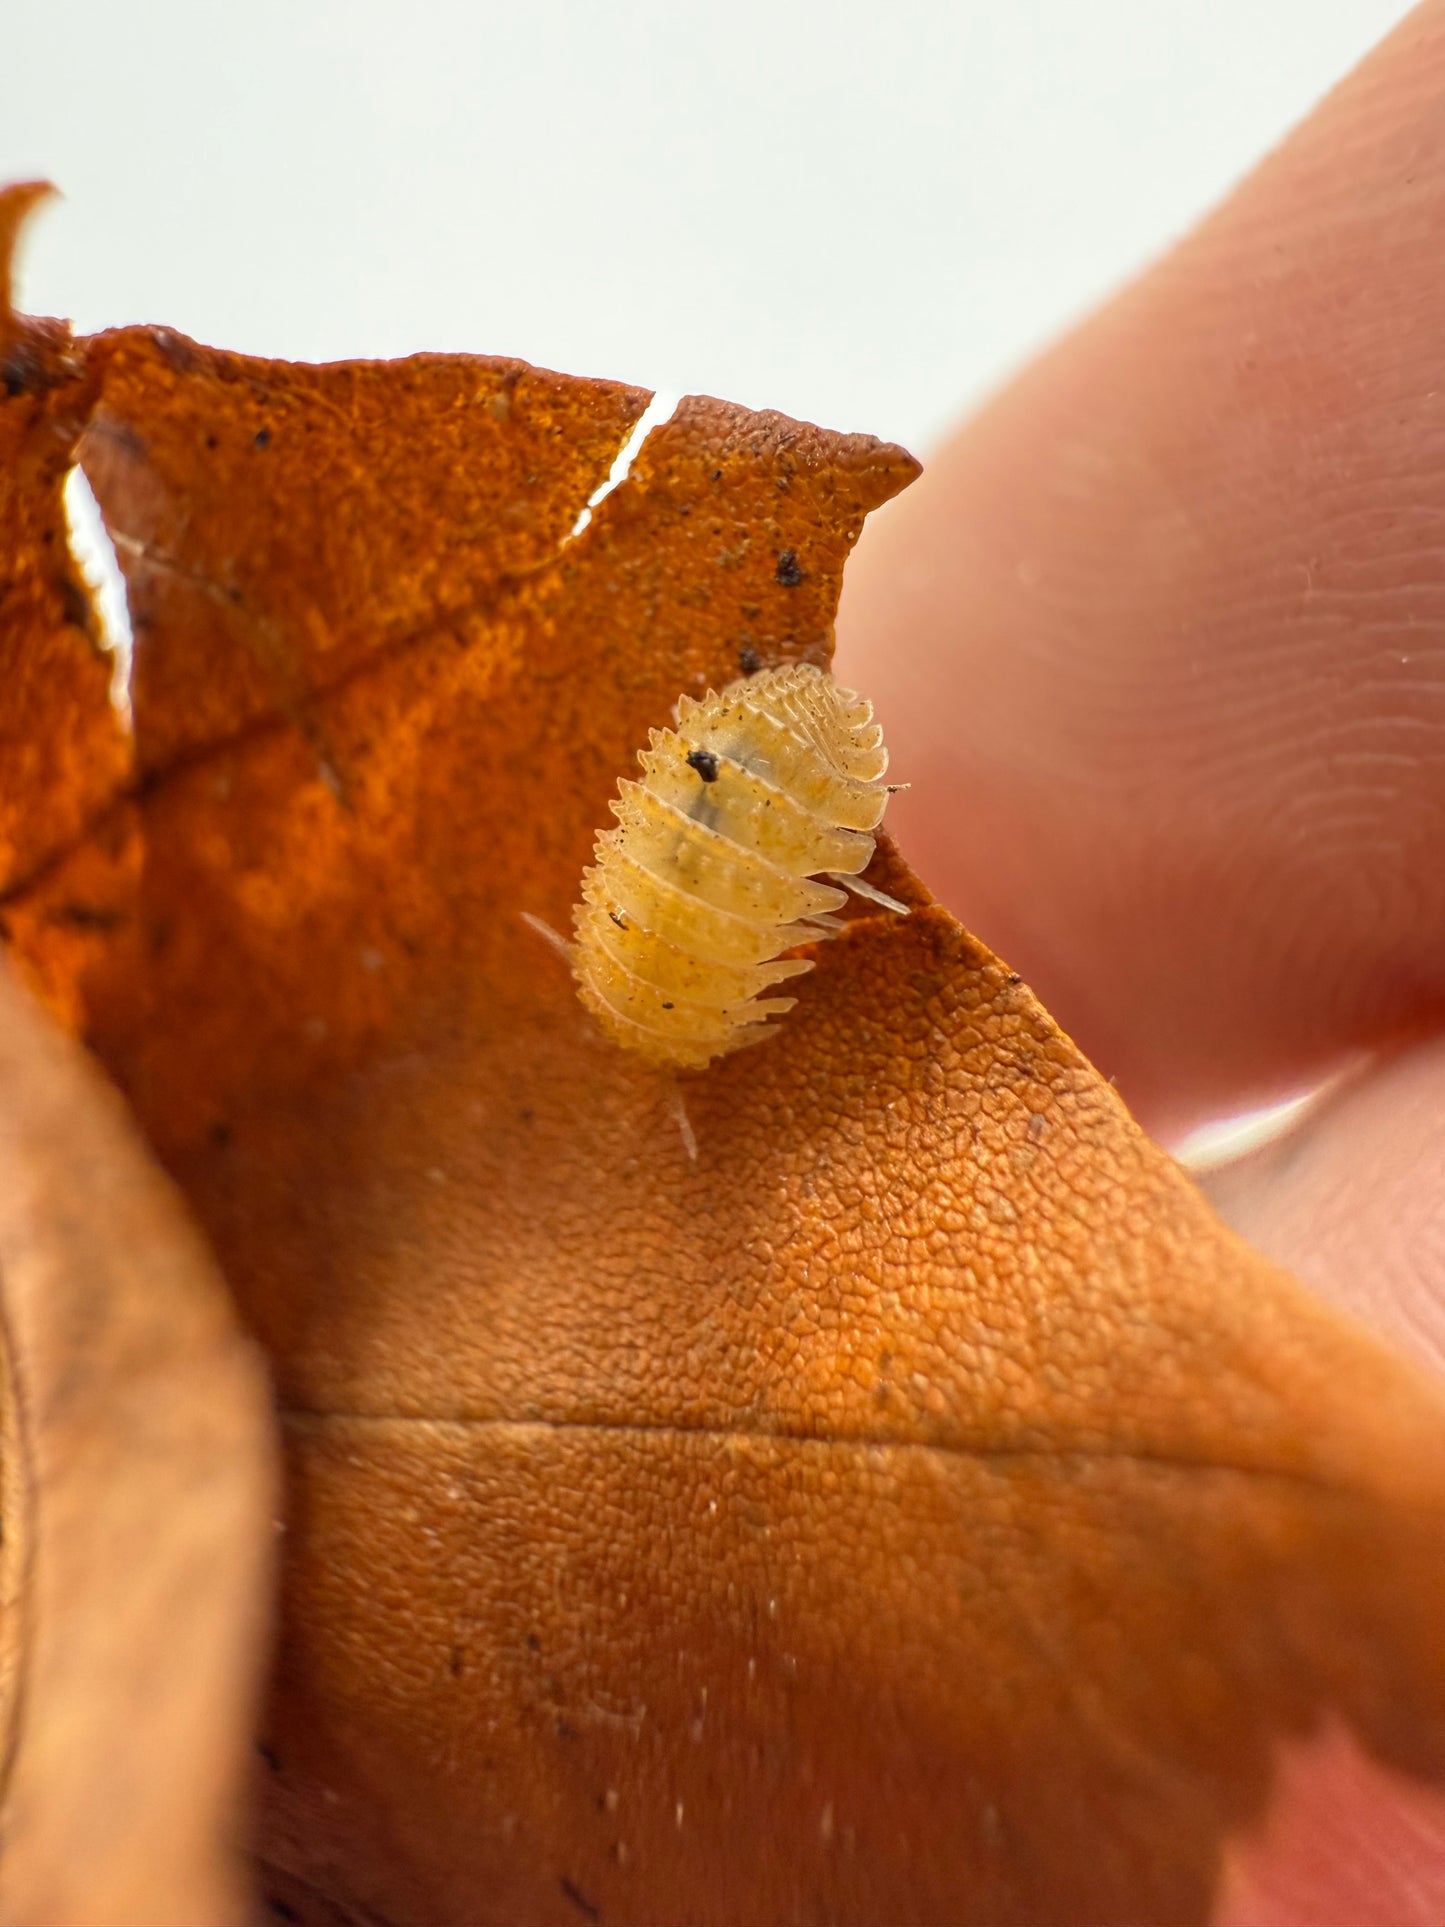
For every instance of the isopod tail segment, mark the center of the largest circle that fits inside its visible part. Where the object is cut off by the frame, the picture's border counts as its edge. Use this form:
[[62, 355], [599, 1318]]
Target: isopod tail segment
[[671, 1088], [821, 928]]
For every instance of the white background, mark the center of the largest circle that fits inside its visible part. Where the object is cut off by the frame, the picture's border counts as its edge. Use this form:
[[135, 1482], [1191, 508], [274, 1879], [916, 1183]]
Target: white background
[[859, 211]]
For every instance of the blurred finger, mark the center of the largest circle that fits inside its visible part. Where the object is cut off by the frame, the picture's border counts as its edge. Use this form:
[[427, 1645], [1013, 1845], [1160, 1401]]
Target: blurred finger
[[1353, 1202], [1160, 639]]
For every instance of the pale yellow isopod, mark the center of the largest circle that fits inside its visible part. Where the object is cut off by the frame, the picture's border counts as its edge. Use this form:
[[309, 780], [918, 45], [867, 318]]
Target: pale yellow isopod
[[709, 875]]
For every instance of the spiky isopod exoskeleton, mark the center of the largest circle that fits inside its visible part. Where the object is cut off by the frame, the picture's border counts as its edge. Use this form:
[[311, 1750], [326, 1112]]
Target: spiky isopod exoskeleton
[[706, 879]]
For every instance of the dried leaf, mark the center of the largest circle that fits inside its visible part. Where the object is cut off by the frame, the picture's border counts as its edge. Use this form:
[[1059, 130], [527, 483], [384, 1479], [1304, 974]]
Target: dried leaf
[[918, 1509], [62, 753], [138, 1503]]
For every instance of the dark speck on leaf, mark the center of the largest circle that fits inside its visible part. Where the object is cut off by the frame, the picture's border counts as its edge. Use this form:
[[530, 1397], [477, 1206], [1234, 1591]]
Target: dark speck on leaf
[[121, 437], [16, 373], [26, 369], [221, 1135], [176, 350], [579, 1900], [749, 661], [668, 1006], [788, 572], [261, 438], [87, 916], [269, 1755], [76, 604], [1013, 978], [280, 1908], [705, 763], [618, 918]]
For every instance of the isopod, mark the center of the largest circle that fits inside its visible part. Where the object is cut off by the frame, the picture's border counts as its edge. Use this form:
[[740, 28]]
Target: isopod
[[710, 872]]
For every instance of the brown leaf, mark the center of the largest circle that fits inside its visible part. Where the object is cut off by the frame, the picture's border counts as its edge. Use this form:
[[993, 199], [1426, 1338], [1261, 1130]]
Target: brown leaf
[[918, 1509], [138, 1502], [62, 752]]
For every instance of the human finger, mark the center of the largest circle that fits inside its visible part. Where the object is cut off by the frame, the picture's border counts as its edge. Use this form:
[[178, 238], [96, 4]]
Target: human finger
[[1159, 639]]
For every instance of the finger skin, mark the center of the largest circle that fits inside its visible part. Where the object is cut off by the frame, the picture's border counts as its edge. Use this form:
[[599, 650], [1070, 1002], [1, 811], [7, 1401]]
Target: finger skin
[[1157, 643], [1353, 1202], [1159, 640], [1346, 1840]]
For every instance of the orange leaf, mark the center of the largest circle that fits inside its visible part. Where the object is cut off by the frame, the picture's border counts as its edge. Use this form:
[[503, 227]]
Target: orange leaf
[[62, 753], [919, 1508]]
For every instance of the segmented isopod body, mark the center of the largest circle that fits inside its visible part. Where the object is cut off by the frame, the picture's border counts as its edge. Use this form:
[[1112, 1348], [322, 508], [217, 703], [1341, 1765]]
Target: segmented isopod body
[[707, 877]]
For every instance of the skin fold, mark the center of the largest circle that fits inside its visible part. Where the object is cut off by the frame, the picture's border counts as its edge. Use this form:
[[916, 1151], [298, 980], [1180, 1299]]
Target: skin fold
[[1159, 642]]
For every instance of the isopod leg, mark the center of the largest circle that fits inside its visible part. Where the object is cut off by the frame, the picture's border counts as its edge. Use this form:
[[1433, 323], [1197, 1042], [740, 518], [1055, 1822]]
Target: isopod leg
[[544, 930], [872, 894], [684, 1122], [821, 928]]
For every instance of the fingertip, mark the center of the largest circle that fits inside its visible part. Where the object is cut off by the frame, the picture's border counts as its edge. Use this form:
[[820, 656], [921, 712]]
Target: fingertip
[[1345, 1839], [1155, 638]]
